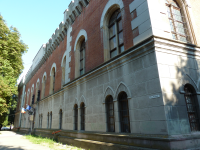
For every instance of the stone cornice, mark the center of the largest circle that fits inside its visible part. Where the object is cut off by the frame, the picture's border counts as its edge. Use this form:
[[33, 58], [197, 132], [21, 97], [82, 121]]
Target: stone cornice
[[175, 46], [145, 46]]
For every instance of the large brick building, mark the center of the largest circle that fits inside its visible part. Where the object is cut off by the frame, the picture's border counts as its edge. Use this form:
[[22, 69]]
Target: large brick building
[[120, 72]]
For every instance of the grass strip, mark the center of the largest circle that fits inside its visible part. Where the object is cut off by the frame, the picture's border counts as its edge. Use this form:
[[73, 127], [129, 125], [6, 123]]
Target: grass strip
[[52, 144]]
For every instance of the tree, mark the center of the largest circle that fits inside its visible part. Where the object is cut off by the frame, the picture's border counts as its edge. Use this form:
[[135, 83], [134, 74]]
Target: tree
[[11, 66]]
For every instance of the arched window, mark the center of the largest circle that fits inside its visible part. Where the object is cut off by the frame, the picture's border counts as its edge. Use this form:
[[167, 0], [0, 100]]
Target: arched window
[[52, 79], [24, 122], [110, 114], [32, 95], [192, 107], [24, 100], [43, 86], [48, 120], [177, 21], [124, 112], [37, 91], [54, 74], [27, 98], [116, 34], [82, 58], [41, 120], [76, 117], [63, 70], [50, 124], [82, 107], [60, 119]]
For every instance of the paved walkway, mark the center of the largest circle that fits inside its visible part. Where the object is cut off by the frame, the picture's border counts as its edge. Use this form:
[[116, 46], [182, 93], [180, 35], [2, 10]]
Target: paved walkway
[[11, 141]]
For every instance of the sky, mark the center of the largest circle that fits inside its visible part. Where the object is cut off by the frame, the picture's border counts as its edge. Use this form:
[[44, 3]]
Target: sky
[[36, 20]]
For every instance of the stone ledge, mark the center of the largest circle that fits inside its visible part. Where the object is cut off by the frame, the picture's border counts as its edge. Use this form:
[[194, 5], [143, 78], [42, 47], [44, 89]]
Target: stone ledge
[[135, 140], [97, 145]]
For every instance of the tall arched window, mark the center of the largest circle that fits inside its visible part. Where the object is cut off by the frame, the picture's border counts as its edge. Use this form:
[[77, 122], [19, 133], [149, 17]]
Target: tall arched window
[[192, 107], [37, 91], [124, 112], [116, 34], [48, 120], [82, 58], [24, 100], [54, 74], [32, 96], [60, 119], [52, 79], [82, 107], [177, 21], [76, 117], [63, 70], [43, 86], [24, 122], [39, 120], [27, 98], [50, 123], [110, 114]]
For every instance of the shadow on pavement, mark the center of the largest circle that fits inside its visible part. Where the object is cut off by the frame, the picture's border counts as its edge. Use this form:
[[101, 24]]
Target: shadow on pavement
[[10, 148]]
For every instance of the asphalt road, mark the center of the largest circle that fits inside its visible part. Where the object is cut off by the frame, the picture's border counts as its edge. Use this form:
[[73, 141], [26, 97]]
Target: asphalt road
[[11, 141]]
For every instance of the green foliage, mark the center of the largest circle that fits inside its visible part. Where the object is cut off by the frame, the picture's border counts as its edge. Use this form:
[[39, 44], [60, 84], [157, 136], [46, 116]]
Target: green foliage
[[5, 123], [11, 66]]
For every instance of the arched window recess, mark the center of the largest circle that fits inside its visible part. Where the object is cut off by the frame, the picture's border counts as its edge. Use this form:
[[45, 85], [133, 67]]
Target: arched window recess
[[116, 41], [124, 112], [82, 108], [75, 117], [110, 114], [60, 119], [192, 107], [82, 58]]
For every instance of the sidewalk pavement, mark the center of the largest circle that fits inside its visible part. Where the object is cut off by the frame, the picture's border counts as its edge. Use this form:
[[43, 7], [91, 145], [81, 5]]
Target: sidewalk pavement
[[10, 140]]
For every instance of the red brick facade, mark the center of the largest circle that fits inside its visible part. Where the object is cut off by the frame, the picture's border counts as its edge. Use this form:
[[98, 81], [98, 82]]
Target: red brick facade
[[89, 20], [55, 57]]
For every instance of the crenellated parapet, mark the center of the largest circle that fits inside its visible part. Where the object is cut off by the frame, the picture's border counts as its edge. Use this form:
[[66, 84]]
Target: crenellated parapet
[[74, 10], [55, 39]]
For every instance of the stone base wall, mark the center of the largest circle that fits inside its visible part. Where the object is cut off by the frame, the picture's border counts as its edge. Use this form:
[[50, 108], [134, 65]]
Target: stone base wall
[[99, 140], [153, 75], [134, 72]]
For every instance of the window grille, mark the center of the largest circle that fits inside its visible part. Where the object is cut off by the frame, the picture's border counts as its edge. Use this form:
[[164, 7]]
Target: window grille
[[53, 79], [33, 99], [41, 121], [76, 117], [82, 116], [60, 119], [50, 120], [44, 85], [82, 58], [38, 96], [110, 114], [116, 34], [191, 104], [124, 112], [177, 21]]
